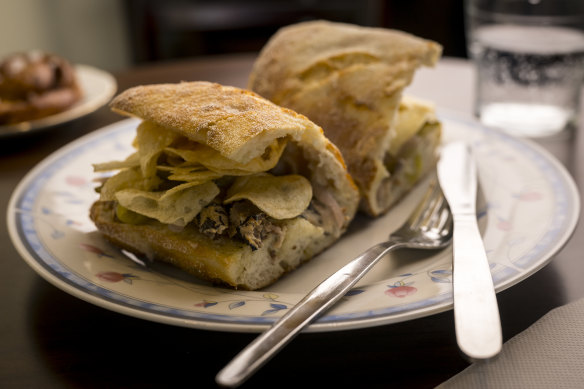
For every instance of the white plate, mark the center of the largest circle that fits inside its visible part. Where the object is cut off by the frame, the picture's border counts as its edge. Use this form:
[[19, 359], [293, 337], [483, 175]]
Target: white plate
[[98, 88], [529, 209]]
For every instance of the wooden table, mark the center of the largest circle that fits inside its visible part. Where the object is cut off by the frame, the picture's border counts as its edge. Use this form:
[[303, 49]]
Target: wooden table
[[50, 339]]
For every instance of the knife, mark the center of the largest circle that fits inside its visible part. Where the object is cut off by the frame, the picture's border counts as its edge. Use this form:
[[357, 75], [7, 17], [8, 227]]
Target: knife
[[476, 314]]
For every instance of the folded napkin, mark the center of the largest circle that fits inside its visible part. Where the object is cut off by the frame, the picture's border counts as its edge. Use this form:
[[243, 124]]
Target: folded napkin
[[549, 354]]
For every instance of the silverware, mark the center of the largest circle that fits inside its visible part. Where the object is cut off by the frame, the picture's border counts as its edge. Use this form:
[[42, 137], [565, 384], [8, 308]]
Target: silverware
[[429, 227], [476, 315]]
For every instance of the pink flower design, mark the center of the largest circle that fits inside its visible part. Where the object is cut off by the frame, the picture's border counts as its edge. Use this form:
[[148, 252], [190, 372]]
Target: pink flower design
[[530, 196], [205, 304], [75, 181], [94, 249], [504, 225], [112, 276], [401, 290]]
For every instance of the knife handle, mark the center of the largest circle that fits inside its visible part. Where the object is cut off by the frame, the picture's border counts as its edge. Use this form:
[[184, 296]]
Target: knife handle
[[476, 314]]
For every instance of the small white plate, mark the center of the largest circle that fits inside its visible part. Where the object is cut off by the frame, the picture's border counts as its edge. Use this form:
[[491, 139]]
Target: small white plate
[[529, 209], [98, 88]]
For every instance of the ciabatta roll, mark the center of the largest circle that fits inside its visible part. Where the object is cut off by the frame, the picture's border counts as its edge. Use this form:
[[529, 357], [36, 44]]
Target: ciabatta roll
[[350, 81], [223, 184]]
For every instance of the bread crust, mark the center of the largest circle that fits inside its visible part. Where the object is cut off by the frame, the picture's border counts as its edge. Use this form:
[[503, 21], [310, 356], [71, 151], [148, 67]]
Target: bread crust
[[237, 123], [156, 240]]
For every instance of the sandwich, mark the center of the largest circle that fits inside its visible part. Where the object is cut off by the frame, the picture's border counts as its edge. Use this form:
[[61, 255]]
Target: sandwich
[[223, 184], [350, 80]]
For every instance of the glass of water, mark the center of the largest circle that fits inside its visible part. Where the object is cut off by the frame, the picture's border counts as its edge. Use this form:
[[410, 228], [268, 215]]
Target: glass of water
[[529, 57]]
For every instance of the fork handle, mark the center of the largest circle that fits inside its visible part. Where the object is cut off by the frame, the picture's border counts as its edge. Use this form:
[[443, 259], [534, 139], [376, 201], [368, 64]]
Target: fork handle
[[321, 298], [476, 315]]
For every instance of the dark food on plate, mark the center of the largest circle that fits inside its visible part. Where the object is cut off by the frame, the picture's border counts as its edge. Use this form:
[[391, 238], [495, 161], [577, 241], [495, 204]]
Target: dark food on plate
[[34, 85], [350, 80], [223, 184]]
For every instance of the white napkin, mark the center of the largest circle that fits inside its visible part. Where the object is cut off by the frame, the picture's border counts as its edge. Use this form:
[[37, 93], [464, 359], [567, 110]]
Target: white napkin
[[549, 354]]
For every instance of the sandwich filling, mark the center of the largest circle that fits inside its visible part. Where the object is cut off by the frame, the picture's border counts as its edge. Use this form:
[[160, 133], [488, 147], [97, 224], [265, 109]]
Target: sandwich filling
[[411, 152], [180, 182]]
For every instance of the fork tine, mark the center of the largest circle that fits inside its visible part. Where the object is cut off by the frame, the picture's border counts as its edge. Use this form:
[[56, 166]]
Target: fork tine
[[436, 211], [427, 210], [445, 216], [441, 214]]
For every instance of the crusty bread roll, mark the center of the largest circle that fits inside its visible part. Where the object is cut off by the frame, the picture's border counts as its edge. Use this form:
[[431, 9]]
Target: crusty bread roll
[[224, 184], [34, 85], [349, 80]]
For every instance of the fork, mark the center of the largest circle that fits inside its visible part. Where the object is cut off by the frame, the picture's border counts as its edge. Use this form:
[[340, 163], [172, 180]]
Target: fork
[[429, 227]]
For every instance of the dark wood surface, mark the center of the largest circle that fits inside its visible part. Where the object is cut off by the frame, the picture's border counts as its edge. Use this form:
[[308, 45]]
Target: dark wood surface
[[49, 339]]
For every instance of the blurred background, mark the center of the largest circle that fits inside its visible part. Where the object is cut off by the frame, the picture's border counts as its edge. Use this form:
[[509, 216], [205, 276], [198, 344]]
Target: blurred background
[[116, 34]]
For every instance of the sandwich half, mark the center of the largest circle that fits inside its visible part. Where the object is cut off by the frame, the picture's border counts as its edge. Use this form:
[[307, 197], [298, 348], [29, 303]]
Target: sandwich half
[[350, 80], [223, 184]]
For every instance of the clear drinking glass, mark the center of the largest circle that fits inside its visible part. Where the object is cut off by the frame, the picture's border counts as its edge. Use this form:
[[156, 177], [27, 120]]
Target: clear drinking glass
[[529, 57]]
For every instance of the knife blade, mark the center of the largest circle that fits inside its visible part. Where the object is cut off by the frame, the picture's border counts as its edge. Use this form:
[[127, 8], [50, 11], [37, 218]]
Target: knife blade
[[476, 314]]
